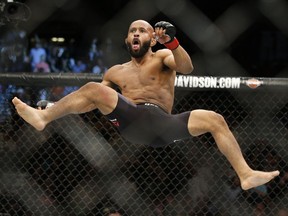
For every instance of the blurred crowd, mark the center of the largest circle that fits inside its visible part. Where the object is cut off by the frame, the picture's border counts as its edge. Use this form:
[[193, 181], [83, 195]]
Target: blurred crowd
[[22, 54], [18, 53], [159, 175]]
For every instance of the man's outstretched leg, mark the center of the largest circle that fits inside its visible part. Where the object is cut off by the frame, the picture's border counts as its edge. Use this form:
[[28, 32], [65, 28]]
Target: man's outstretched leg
[[89, 97], [202, 121]]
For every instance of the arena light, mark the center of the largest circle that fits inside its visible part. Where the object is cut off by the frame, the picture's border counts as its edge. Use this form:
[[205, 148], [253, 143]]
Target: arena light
[[61, 39], [58, 39]]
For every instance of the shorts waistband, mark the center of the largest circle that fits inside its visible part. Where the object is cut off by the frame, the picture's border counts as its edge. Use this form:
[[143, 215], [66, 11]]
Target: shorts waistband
[[148, 104], [151, 105]]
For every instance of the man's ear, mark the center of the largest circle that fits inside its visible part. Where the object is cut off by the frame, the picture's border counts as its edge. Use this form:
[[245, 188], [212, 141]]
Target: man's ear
[[153, 42]]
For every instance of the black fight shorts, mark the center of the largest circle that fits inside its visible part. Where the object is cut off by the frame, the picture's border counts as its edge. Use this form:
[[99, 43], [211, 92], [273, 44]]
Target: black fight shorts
[[148, 124]]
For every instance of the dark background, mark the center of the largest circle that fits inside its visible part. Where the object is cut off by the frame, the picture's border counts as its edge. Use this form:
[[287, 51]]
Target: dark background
[[261, 49]]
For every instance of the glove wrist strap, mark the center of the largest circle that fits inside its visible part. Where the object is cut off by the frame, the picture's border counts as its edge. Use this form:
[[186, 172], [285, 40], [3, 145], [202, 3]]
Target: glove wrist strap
[[173, 44]]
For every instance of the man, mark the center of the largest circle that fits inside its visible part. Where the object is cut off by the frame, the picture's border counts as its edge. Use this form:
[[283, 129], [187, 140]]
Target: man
[[142, 112]]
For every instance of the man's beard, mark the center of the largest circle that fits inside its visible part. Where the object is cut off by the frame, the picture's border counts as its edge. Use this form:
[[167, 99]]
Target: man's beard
[[139, 53]]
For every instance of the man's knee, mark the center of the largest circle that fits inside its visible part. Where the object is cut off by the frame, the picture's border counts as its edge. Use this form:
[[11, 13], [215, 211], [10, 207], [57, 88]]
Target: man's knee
[[95, 90], [217, 121], [90, 86], [203, 121]]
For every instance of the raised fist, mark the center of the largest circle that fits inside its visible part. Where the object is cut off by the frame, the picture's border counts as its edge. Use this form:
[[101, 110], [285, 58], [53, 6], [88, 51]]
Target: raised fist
[[165, 34]]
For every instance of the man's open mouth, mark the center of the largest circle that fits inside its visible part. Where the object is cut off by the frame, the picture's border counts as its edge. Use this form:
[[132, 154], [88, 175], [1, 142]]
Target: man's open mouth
[[135, 44]]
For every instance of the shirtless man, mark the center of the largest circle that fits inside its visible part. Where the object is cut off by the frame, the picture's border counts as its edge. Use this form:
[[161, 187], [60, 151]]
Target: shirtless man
[[142, 112]]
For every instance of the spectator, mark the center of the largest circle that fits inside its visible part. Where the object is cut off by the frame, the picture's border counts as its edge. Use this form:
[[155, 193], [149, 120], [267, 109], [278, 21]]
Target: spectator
[[99, 68], [42, 66], [79, 67], [58, 59], [94, 52], [36, 53]]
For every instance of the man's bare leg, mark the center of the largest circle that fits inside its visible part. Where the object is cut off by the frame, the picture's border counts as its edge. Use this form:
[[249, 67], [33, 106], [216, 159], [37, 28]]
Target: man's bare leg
[[89, 97], [202, 121]]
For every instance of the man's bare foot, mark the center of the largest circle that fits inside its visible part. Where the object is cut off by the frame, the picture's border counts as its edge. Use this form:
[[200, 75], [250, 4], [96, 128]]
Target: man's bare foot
[[257, 178], [29, 114]]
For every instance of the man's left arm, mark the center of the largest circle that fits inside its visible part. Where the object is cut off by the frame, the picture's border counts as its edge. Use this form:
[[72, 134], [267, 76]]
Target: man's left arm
[[177, 59], [180, 61]]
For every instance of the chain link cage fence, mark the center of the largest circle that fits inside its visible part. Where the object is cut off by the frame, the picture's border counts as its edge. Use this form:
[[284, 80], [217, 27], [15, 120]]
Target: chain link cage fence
[[79, 165]]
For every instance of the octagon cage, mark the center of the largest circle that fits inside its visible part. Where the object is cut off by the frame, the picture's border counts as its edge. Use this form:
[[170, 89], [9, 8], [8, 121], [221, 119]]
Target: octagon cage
[[80, 165]]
